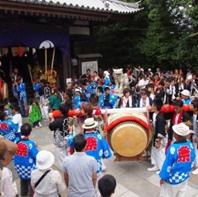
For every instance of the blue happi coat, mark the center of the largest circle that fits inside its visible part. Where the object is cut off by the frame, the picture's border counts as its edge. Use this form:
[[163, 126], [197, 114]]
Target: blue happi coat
[[179, 162], [25, 158], [9, 130]]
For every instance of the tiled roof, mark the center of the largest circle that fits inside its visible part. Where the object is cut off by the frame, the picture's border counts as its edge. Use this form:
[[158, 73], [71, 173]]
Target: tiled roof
[[114, 6]]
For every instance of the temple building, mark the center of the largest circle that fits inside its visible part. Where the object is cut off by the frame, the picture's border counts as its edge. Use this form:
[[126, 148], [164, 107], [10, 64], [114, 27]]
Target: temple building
[[36, 35]]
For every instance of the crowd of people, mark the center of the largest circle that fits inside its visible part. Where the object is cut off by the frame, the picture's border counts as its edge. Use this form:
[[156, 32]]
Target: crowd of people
[[74, 115]]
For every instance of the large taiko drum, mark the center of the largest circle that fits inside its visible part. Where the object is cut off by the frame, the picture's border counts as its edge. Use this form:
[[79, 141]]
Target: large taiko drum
[[128, 135]]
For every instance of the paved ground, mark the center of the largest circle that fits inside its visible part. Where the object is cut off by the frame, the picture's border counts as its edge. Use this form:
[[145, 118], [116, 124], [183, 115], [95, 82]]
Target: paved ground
[[132, 177]]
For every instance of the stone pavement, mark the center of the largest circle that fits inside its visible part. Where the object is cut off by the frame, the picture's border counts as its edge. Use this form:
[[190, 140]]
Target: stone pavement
[[132, 177]]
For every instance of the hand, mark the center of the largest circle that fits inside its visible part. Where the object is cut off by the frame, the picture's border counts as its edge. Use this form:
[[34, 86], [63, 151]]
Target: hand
[[158, 143], [161, 182]]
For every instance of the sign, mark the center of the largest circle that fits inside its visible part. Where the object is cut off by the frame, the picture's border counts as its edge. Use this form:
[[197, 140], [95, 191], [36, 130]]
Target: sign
[[92, 65]]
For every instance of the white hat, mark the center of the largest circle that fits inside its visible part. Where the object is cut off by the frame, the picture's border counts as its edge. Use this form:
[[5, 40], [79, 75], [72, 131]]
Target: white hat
[[44, 160], [78, 90], [89, 123], [106, 72], [186, 93], [69, 80], [181, 129]]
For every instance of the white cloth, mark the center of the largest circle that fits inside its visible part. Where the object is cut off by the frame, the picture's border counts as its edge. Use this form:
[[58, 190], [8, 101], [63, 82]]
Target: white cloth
[[168, 190], [125, 101], [60, 154], [157, 156], [51, 185], [145, 103], [17, 119], [7, 185]]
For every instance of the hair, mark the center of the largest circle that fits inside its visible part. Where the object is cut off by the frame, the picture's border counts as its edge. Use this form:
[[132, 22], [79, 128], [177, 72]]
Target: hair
[[107, 185], [26, 129], [79, 142], [158, 103], [2, 115], [178, 103], [64, 109], [15, 107], [195, 103]]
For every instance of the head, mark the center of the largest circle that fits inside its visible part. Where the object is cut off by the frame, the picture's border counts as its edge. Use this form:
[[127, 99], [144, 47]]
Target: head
[[2, 116], [88, 71], [157, 104], [26, 129], [107, 185], [126, 92], [185, 94], [181, 131], [64, 109], [178, 104], [107, 90], [15, 108], [79, 142], [144, 94], [195, 105]]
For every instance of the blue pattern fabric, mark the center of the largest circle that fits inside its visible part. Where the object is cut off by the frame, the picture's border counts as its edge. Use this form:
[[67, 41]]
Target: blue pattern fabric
[[97, 147], [37, 87], [111, 104], [22, 91], [25, 158], [9, 130], [179, 162]]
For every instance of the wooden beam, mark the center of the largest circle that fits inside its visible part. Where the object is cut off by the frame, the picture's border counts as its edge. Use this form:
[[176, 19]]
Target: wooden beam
[[52, 11]]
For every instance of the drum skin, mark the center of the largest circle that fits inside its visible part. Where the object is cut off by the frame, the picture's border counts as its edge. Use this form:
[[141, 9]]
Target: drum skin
[[128, 135]]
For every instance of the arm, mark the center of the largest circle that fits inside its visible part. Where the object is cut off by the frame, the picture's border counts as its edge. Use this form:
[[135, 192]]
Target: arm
[[66, 178], [94, 179], [60, 183], [165, 172]]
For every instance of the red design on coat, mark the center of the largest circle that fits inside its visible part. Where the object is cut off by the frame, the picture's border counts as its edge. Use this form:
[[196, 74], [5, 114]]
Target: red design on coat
[[22, 150], [4, 126], [183, 154], [91, 144]]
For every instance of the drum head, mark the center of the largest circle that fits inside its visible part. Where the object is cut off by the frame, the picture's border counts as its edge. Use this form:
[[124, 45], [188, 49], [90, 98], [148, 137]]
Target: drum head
[[128, 139]]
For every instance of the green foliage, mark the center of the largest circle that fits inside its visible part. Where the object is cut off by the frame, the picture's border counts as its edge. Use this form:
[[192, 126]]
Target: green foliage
[[164, 32]]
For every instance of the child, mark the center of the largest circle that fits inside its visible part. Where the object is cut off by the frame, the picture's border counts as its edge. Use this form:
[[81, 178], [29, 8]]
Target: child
[[107, 185], [34, 114], [16, 118], [8, 186], [25, 159], [52, 184]]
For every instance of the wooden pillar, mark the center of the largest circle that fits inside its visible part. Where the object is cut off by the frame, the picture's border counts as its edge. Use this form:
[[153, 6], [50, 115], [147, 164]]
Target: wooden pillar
[[66, 67]]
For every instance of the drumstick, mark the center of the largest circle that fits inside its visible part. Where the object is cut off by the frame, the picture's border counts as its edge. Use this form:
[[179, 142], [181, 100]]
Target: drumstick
[[45, 60], [53, 56]]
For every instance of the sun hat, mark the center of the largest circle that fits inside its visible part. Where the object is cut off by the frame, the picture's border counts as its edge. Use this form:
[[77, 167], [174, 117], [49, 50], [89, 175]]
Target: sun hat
[[44, 160], [89, 123], [78, 90], [186, 93], [181, 129]]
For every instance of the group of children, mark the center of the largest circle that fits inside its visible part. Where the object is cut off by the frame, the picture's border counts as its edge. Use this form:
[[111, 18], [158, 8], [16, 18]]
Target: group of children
[[33, 165]]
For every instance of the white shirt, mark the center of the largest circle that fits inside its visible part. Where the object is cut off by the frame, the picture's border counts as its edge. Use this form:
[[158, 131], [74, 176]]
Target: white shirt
[[7, 186], [51, 185], [17, 119]]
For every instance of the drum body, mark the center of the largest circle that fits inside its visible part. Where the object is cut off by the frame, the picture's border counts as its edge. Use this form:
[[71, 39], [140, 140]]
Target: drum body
[[128, 134]]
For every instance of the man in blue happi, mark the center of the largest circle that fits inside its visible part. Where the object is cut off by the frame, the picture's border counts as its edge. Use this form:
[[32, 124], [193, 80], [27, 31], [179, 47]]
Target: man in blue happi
[[178, 164], [96, 146], [8, 129], [107, 100], [21, 88], [25, 159]]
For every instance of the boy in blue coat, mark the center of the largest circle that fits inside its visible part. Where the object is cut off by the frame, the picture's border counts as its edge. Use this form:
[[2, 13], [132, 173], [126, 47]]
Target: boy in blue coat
[[25, 159], [178, 164]]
